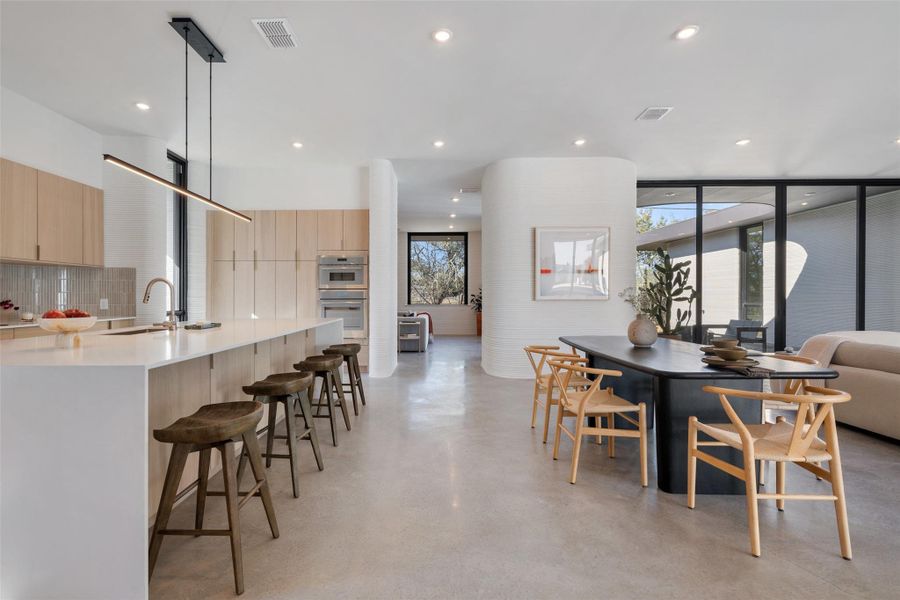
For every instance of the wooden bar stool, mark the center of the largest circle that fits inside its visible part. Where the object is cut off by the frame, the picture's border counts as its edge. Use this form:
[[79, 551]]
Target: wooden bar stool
[[327, 368], [350, 352], [214, 426], [286, 389]]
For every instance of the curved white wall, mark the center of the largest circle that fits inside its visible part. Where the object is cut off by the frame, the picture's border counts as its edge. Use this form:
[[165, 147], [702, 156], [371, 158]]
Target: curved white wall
[[520, 194]]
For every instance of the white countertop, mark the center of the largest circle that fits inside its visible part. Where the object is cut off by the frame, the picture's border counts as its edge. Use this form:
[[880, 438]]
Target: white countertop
[[100, 349], [21, 324]]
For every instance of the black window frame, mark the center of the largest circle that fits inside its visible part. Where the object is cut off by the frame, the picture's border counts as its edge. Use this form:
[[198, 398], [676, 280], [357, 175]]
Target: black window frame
[[781, 186], [409, 241], [180, 249]]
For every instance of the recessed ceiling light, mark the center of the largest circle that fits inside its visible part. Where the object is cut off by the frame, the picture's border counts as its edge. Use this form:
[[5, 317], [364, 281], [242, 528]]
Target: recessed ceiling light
[[452, 215], [731, 221], [671, 194], [451, 227], [438, 143], [442, 36], [297, 145], [455, 199], [742, 142], [142, 105], [804, 203], [897, 141], [687, 32], [809, 193], [580, 142]]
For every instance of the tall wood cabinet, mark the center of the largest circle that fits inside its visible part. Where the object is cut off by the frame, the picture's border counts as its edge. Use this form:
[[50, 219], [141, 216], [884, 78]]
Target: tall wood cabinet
[[48, 218]]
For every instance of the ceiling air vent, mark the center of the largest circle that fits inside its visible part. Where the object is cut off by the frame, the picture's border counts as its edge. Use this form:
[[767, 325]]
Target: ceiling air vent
[[276, 32], [654, 113]]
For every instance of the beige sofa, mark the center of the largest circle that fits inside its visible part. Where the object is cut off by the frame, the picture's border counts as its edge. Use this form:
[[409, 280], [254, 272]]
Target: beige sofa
[[869, 367]]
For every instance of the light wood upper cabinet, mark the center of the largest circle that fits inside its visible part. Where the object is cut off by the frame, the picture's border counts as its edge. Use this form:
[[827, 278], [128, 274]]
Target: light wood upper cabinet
[[220, 305], [286, 235], [18, 211], [60, 231], [92, 237], [221, 231], [264, 233], [330, 229], [307, 234], [264, 289], [285, 290], [244, 278], [307, 289], [244, 243], [356, 230]]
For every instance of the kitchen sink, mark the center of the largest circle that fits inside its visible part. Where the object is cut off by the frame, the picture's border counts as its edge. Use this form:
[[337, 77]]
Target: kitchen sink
[[137, 331]]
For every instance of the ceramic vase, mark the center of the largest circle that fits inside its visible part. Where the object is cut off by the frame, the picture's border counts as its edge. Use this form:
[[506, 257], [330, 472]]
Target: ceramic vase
[[642, 332]]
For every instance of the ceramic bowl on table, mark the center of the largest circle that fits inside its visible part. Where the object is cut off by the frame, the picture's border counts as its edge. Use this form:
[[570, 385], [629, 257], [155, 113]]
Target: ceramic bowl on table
[[731, 354], [67, 330], [725, 343]]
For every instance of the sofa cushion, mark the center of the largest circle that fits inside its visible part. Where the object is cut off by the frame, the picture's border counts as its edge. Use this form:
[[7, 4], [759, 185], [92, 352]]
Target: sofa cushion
[[876, 357]]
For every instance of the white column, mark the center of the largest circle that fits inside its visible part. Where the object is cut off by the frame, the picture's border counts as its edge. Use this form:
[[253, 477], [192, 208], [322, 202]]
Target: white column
[[521, 194], [134, 218], [382, 268]]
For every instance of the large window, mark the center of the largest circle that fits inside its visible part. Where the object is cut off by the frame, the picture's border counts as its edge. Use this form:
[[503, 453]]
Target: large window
[[438, 264], [176, 236]]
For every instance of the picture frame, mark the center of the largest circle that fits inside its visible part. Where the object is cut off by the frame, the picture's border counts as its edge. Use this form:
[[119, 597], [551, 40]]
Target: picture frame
[[571, 263]]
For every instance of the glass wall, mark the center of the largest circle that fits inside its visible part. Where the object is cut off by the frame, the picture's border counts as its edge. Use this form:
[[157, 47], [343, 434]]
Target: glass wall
[[665, 219], [883, 258], [738, 264], [821, 261]]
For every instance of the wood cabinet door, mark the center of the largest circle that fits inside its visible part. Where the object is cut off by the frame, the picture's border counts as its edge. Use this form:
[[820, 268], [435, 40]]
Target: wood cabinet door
[[264, 234], [92, 235], [330, 229], [307, 234], [220, 229], [278, 362], [307, 289], [356, 230], [244, 237], [285, 235], [285, 289], [244, 280], [60, 219], [231, 370], [175, 391], [18, 211], [264, 289], [220, 304]]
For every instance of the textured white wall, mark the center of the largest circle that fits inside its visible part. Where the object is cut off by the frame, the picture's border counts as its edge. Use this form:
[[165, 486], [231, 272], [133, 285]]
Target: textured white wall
[[448, 319], [134, 218], [305, 186], [382, 268], [38, 137], [521, 194]]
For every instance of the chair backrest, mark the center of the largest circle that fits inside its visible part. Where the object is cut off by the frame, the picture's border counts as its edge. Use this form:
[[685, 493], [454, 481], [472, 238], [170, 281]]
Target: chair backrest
[[537, 356], [733, 324], [563, 368], [804, 431], [796, 386]]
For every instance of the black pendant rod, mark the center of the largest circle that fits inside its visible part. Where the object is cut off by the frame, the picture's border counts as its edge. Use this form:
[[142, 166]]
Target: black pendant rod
[[185, 95], [210, 124]]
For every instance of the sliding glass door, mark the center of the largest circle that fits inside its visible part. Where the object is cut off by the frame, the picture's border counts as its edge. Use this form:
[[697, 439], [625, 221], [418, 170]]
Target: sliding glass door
[[882, 282]]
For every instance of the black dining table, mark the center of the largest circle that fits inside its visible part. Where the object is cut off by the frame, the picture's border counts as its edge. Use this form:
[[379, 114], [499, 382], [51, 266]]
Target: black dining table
[[669, 377]]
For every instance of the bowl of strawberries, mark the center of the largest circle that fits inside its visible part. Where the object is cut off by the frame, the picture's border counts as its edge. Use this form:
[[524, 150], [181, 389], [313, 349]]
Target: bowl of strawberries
[[67, 324]]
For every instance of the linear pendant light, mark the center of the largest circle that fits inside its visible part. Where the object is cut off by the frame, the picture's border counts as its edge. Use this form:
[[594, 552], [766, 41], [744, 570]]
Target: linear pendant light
[[206, 49]]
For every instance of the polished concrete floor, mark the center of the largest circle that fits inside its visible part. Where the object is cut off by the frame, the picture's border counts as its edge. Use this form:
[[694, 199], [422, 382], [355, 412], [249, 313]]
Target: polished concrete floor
[[441, 490]]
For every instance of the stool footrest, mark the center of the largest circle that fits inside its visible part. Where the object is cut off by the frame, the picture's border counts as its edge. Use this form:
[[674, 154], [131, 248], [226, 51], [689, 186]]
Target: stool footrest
[[194, 532]]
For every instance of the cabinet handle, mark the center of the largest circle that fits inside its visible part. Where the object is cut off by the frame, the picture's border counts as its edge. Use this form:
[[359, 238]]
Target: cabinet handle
[[254, 260], [38, 252]]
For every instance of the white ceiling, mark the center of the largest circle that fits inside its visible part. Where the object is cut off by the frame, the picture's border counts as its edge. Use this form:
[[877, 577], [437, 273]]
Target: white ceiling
[[816, 86]]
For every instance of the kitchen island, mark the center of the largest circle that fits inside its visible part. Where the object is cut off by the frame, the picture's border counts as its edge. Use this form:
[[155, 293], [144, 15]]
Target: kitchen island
[[80, 474]]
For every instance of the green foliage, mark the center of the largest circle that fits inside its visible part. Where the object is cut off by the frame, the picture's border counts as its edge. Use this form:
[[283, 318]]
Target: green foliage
[[669, 288], [437, 272], [475, 301], [646, 259]]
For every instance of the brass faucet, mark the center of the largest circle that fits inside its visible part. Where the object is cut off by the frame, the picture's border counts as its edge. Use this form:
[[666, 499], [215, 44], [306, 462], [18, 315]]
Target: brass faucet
[[170, 322]]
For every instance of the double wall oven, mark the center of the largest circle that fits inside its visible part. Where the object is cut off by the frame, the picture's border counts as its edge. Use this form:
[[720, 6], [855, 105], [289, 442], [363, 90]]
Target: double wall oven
[[343, 291]]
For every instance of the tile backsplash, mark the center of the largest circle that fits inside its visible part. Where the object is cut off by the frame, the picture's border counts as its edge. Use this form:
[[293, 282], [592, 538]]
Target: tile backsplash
[[38, 288]]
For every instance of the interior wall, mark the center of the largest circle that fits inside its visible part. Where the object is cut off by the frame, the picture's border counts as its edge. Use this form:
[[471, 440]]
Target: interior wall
[[382, 196], [36, 136], [305, 186], [449, 319], [521, 194]]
